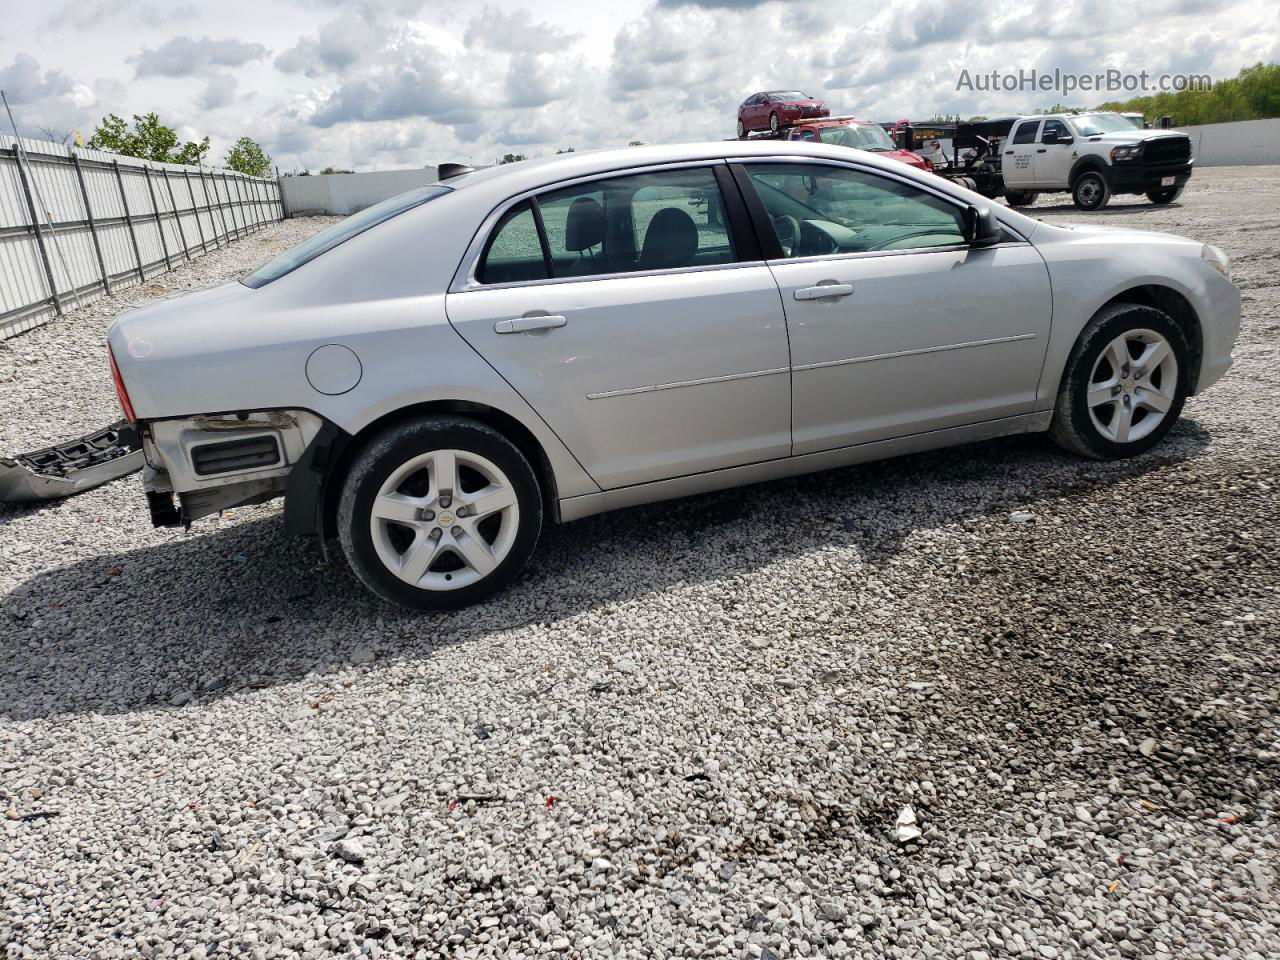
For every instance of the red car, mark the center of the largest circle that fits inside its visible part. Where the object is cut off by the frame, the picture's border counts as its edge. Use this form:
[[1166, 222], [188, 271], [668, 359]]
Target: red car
[[774, 109], [859, 134]]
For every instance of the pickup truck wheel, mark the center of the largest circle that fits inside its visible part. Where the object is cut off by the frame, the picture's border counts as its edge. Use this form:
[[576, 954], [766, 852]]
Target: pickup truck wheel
[[1020, 198], [1124, 385], [1090, 191], [439, 512], [773, 123], [1164, 196]]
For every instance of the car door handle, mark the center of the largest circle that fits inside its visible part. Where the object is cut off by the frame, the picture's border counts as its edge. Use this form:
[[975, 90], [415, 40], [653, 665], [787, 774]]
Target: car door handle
[[824, 290], [525, 324], [1008, 153], [1041, 150]]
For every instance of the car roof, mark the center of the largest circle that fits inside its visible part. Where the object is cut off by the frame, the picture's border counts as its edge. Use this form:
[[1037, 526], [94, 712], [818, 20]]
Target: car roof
[[543, 171]]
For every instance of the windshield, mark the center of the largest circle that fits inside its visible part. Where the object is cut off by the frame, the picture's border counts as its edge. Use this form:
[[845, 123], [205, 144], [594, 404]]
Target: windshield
[[340, 232], [862, 137], [788, 95], [1096, 124]]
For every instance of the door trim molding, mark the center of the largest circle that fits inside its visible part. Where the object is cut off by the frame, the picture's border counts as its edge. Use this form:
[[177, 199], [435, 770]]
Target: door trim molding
[[912, 353], [629, 391]]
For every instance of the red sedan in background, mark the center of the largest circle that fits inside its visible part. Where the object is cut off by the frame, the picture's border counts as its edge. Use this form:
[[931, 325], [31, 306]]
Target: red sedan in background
[[859, 134], [774, 109]]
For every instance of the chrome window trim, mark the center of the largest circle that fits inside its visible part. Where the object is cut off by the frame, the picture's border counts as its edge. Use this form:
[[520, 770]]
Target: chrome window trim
[[888, 175], [465, 280]]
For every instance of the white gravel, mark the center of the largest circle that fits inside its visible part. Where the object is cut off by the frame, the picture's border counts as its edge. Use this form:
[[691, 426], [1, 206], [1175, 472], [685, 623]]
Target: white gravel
[[705, 728]]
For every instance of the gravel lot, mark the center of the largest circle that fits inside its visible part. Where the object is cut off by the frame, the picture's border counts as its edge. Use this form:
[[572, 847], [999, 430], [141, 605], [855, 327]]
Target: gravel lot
[[691, 729]]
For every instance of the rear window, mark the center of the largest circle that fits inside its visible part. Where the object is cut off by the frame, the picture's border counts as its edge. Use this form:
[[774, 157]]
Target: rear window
[[340, 232]]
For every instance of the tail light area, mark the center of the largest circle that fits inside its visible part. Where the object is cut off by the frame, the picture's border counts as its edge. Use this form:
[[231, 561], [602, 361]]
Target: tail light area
[[121, 393]]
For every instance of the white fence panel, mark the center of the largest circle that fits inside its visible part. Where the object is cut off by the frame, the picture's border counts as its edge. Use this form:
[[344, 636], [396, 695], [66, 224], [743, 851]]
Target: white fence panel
[[103, 222]]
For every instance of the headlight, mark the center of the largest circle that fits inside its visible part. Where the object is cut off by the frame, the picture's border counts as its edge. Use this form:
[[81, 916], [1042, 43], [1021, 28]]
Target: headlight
[[1125, 153], [1216, 258]]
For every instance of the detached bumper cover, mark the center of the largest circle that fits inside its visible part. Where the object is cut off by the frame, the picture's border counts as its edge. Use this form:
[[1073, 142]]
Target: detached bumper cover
[[71, 467]]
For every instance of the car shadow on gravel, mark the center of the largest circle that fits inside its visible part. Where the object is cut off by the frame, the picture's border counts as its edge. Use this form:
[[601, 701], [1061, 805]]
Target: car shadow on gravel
[[249, 607]]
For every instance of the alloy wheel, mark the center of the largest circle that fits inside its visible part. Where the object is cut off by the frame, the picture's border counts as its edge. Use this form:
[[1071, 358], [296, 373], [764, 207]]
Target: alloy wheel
[[444, 520], [1132, 385]]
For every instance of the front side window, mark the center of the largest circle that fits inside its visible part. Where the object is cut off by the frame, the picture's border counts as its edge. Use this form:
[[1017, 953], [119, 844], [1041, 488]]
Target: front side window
[[818, 210], [340, 232], [1054, 129], [646, 221], [1026, 132]]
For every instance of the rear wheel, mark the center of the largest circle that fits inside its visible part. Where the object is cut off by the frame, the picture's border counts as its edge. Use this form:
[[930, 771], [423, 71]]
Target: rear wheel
[[1125, 384], [439, 512], [1090, 191], [1164, 196], [1020, 198]]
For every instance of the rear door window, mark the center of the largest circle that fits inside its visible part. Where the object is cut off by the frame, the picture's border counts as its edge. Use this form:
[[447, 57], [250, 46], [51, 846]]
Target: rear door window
[[515, 251], [1026, 132]]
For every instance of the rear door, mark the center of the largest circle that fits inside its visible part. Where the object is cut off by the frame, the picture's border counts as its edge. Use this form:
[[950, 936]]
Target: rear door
[[634, 313], [1017, 165]]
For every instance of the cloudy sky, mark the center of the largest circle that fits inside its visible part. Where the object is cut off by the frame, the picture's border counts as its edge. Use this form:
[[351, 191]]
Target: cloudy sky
[[382, 84]]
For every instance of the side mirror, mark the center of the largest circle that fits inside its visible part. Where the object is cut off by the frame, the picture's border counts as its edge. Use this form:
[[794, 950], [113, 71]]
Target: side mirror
[[981, 228]]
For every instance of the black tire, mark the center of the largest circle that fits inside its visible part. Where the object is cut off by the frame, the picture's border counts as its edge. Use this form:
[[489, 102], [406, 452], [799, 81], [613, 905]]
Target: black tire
[[742, 129], [396, 446], [773, 123], [1090, 191], [1162, 197], [1020, 198], [1073, 428]]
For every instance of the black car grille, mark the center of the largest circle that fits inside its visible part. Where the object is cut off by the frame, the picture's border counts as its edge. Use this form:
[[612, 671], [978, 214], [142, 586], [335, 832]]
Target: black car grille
[[231, 455], [1167, 150]]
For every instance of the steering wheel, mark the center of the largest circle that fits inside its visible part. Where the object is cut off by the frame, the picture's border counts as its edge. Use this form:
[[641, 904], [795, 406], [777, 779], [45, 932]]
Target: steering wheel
[[788, 230]]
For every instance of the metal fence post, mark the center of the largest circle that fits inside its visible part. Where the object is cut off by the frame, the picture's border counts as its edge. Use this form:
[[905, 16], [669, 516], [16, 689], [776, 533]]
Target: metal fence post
[[195, 211], [35, 226], [128, 219], [258, 193], [182, 234], [232, 204], [155, 210], [93, 226], [222, 211]]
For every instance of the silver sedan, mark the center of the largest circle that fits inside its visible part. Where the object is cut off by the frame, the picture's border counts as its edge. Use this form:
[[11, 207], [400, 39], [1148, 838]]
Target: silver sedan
[[435, 377]]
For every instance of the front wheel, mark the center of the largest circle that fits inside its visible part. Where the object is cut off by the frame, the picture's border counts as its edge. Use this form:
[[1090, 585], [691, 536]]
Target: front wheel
[[1124, 385], [773, 123], [439, 512], [742, 129], [1162, 197], [1090, 191]]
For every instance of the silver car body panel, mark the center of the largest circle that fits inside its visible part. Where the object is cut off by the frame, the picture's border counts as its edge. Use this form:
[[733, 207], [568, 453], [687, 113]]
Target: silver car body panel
[[688, 393]]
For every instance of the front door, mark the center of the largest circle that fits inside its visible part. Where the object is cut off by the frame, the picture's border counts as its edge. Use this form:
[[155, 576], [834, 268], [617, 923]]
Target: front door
[[897, 326], [1054, 154], [625, 314]]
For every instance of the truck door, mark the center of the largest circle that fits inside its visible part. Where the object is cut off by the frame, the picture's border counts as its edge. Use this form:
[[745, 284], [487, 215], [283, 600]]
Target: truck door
[[1018, 165], [1052, 164]]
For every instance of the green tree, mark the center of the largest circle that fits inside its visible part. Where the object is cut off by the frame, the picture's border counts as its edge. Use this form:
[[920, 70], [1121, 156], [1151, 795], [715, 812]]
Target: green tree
[[565, 150], [247, 157], [329, 170], [512, 158], [149, 140], [1253, 94]]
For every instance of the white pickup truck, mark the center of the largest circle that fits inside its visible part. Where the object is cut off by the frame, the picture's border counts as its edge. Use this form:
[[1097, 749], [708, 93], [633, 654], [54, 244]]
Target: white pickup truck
[[1093, 155]]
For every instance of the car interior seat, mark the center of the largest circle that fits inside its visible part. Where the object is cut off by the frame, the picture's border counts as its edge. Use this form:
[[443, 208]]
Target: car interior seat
[[584, 229], [671, 240]]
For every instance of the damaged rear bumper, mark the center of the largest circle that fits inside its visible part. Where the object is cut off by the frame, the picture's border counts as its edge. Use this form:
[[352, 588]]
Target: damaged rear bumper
[[215, 462], [72, 467]]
